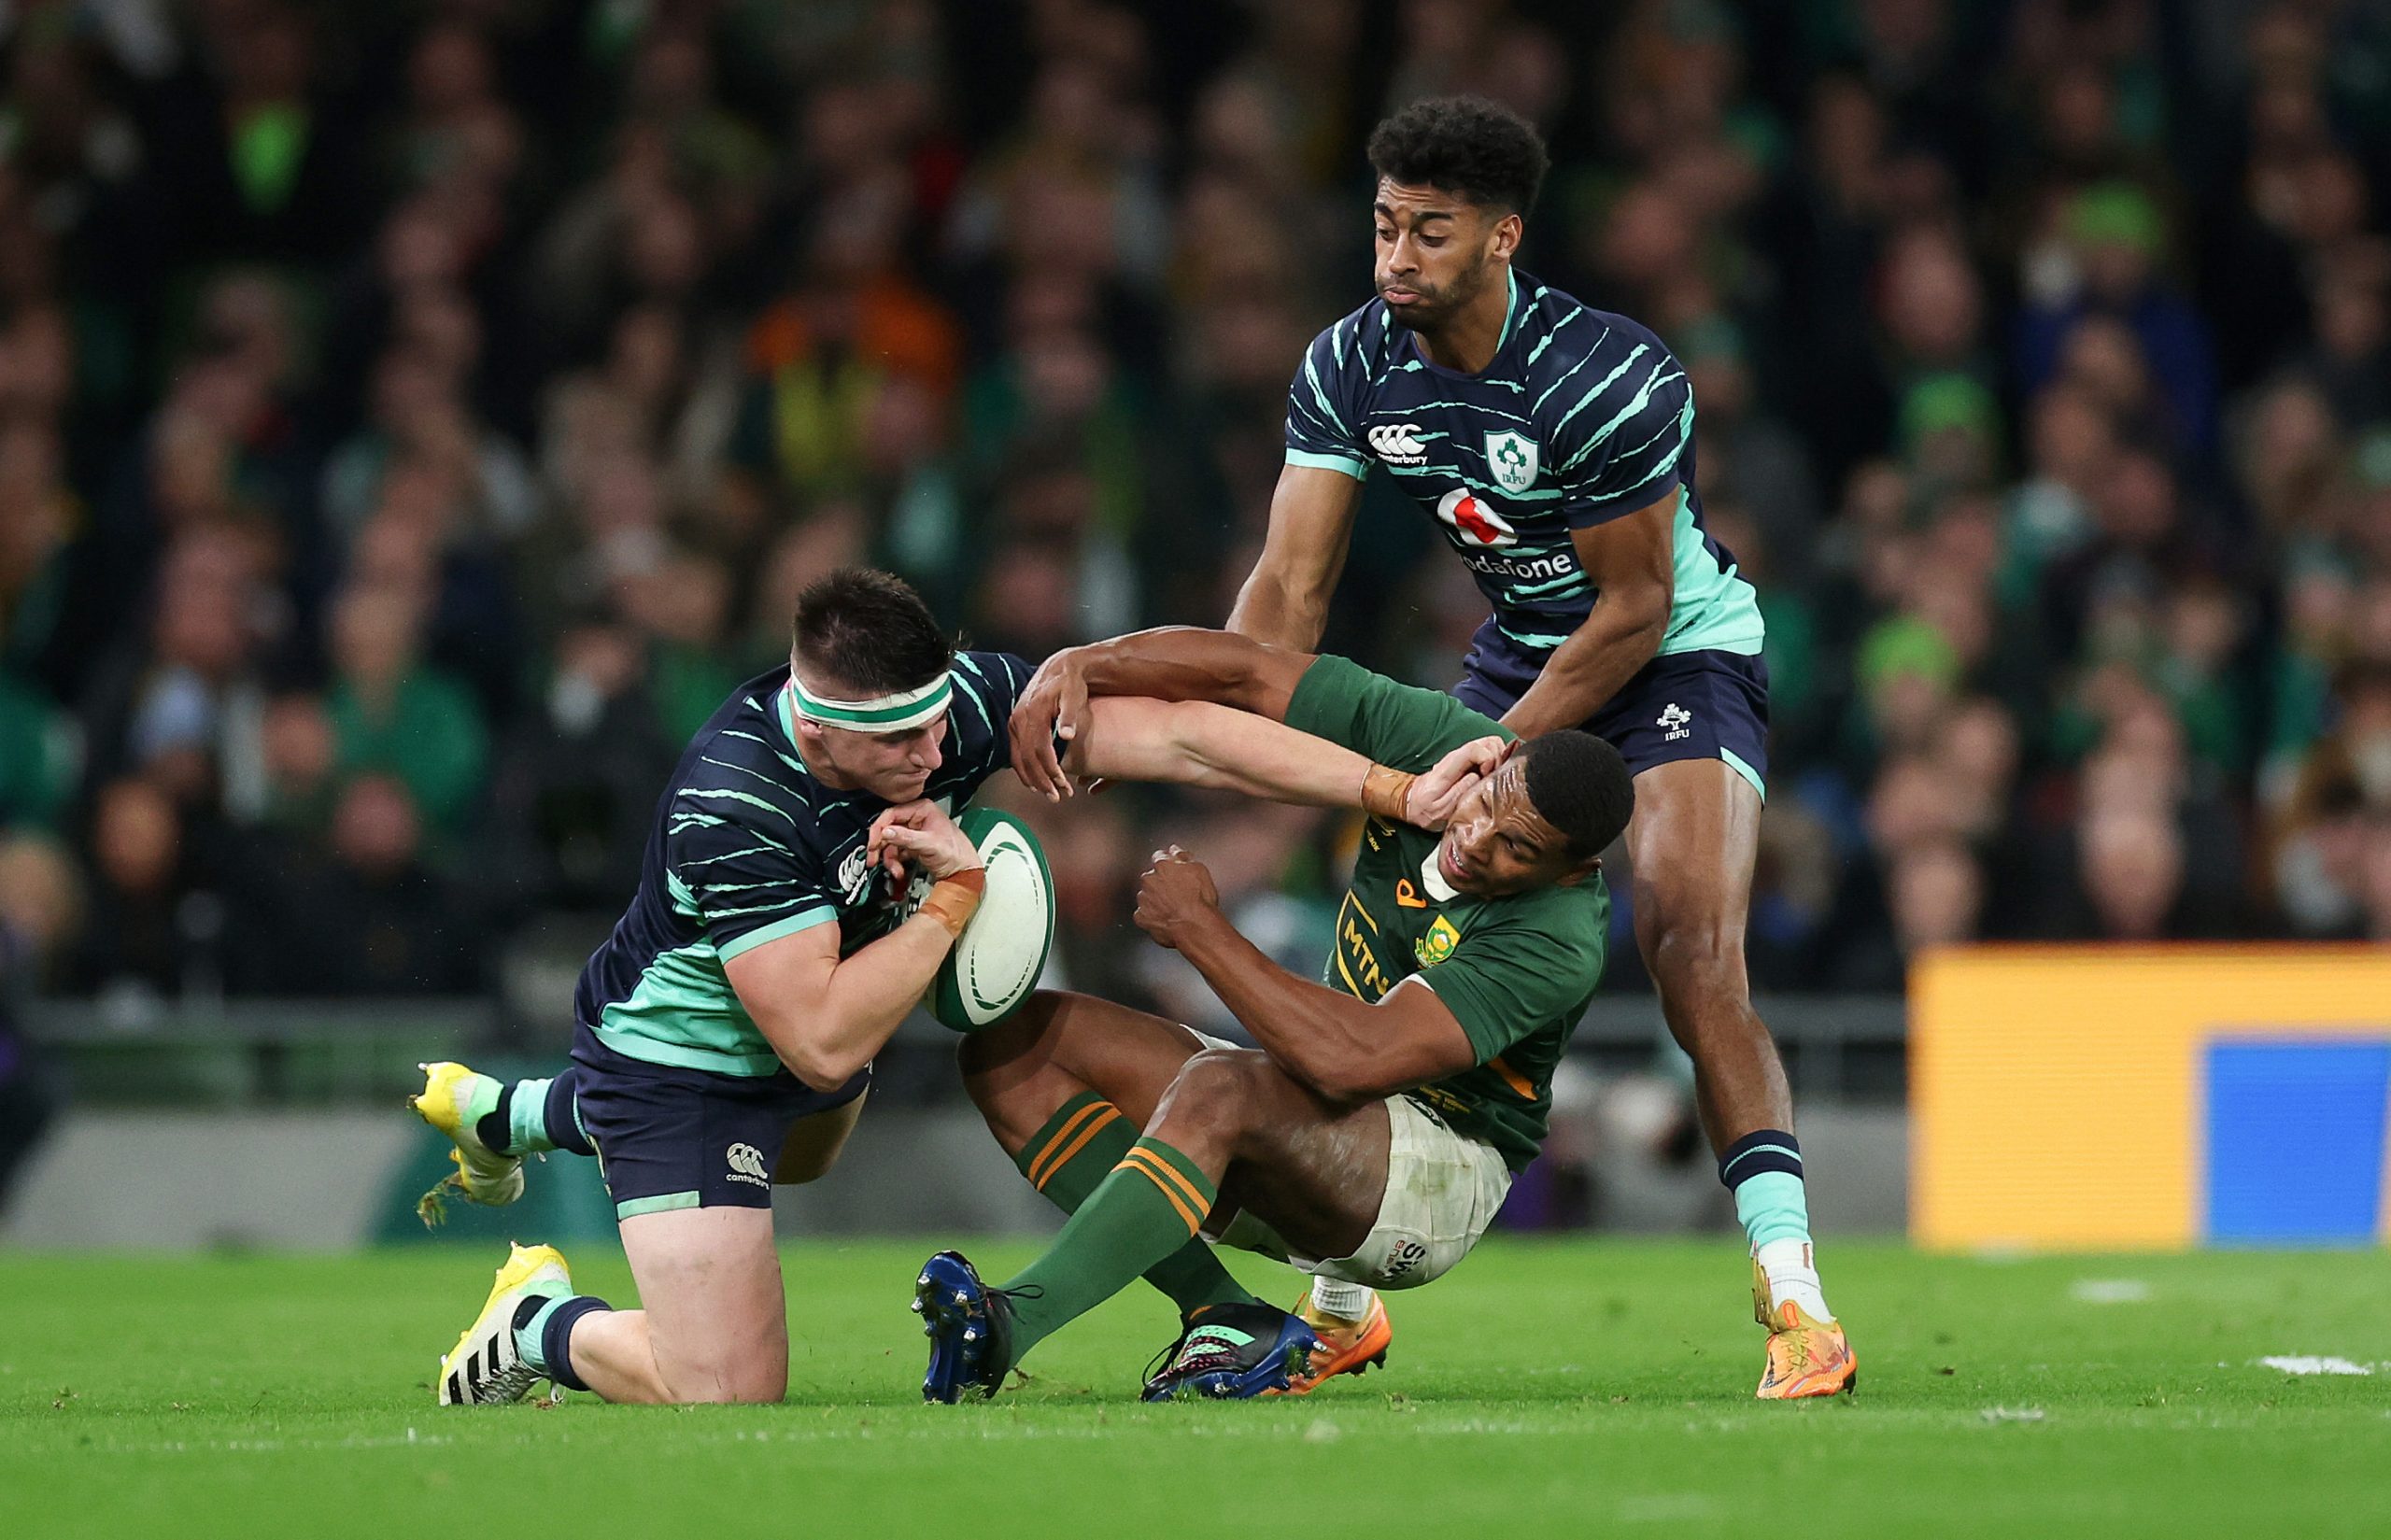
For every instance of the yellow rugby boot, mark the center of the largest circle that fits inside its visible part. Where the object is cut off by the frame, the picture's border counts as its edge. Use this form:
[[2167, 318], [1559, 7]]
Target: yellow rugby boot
[[454, 1100], [484, 1368], [1347, 1347]]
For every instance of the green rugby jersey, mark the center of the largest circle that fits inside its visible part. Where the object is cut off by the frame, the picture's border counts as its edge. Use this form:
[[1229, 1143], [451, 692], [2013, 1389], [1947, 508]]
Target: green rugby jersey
[[1517, 972]]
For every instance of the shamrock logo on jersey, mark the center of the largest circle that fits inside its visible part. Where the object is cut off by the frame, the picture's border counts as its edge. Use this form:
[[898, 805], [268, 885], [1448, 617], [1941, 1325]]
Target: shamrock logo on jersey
[[1479, 524], [1511, 457]]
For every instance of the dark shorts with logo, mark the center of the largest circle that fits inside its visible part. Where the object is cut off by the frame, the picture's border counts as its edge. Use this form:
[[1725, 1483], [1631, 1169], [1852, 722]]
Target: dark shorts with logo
[[1699, 705], [670, 1137]]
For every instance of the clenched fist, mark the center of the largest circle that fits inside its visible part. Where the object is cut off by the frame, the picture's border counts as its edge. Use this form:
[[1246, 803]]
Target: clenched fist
[[1175, 892]]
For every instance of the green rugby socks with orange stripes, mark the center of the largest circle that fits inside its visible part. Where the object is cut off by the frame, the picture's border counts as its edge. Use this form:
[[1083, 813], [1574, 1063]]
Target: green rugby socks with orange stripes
[[1147, 1208], [1070, 1158]]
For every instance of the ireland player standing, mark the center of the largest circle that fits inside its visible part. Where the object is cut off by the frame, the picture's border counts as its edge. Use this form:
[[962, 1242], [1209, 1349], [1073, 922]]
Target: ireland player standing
[[1553, 445]]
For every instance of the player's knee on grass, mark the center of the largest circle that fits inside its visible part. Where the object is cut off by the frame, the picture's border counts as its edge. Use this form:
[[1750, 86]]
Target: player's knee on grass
[[715, 1311], [720, 1363]]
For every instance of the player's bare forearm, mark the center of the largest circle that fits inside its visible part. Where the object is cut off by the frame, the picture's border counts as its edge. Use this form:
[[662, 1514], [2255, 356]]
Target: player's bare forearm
[[1344, 1050], [1189, 663], [1284, 602], [1269, 610], [1620, 635], [827, 1017], [1630, 562], [1197, 744], [1171, 663]]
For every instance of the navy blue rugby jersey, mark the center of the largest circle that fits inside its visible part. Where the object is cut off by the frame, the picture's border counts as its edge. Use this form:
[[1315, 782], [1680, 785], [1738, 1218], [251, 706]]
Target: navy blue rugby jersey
[[1581, 417], [749, 847]]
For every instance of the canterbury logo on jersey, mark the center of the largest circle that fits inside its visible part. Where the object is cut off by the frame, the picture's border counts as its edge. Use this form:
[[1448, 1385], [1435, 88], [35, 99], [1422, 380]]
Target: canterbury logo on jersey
[[1398, 444], [855, 875], [1473, 521]]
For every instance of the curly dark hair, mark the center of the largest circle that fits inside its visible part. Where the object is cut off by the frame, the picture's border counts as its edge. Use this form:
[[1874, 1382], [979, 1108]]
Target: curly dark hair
[[1580, 785], [870, 631], [1482, 150]]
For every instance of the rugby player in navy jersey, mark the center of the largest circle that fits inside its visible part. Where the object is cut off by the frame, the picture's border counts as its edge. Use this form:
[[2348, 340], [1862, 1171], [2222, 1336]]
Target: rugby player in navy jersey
[[724, 1032], [1552, 446]]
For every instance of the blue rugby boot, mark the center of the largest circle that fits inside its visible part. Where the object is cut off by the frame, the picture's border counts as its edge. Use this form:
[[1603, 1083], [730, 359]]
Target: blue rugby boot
[[1229, 1352], [969, 1326]]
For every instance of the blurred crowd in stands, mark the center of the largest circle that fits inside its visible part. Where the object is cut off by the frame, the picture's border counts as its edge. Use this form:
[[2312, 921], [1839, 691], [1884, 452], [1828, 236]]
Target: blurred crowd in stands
[[416, 418]]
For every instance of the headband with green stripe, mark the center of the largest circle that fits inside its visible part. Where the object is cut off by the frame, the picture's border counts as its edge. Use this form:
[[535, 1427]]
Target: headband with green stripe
[[898, 713]]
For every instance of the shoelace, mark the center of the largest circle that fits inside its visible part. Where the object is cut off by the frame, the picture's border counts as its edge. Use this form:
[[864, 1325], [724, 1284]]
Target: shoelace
[[1203, 1348], [1165, 1359]]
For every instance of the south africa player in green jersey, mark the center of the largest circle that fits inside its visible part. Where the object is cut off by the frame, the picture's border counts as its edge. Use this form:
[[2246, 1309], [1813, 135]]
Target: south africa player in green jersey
[[1371, 1137]]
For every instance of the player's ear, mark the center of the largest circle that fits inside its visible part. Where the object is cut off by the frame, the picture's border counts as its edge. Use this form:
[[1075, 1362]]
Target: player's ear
[[1508, 231], [1582, 873]]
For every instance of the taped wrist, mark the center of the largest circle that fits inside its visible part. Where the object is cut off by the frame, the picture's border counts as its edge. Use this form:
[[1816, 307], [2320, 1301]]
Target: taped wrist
[[1385, 792], [955, 898]]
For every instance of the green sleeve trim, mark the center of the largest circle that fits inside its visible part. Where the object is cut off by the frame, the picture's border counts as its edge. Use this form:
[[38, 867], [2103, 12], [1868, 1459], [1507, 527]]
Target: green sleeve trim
[[657, 1205], [1736, 764], [1347, 463], [804, 919]]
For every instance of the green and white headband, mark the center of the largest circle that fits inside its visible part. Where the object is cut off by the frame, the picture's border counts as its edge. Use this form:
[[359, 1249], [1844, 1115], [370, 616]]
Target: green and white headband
[[898, 713]]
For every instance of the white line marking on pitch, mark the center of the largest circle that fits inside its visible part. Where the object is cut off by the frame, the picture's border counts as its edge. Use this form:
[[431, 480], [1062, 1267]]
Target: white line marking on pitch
[[2309, 1363], [2109, 1290]]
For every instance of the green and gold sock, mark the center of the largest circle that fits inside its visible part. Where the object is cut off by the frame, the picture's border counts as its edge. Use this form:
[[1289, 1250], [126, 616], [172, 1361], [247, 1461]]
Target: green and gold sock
[[1070, 1158], [1149, 1207]]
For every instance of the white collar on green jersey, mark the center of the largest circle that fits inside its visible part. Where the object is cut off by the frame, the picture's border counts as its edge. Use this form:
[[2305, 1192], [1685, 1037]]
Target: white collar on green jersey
[[1432, 877]]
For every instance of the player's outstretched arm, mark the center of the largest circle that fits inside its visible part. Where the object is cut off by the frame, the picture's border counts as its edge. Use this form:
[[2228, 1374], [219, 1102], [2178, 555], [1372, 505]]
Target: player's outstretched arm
[[1285, 599], [1167, 663], [1196, 744], [1345, 1050], [825, 1016]]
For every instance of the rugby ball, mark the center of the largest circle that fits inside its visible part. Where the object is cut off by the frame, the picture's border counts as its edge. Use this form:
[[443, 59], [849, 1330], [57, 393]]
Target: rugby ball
[[994, 964]]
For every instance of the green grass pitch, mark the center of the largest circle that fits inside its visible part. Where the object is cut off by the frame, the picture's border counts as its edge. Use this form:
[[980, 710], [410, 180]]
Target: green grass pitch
[[1572, 1388]]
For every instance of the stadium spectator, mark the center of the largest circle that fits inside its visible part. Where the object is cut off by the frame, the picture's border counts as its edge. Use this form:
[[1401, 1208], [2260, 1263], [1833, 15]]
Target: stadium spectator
[[461, 398], [392, 713]]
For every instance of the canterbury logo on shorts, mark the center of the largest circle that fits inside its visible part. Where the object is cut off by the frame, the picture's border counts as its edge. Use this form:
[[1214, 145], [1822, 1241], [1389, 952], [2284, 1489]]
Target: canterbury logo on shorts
[[747, 1165]]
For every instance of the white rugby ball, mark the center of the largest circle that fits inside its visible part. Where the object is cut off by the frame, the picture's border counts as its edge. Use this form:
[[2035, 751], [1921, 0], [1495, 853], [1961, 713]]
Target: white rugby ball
[[995, 963]]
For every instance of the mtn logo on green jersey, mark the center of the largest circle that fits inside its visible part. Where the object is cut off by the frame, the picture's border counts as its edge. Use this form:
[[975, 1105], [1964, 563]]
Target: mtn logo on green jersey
[[1438, 944], [1511, 457]]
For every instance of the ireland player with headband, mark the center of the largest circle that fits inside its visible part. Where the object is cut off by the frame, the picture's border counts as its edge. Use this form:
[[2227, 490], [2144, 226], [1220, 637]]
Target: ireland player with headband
[[724, 1033]]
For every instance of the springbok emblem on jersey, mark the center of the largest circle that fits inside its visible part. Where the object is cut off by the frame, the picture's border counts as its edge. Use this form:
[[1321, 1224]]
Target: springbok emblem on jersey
[[1479, 524], [1511, 458]]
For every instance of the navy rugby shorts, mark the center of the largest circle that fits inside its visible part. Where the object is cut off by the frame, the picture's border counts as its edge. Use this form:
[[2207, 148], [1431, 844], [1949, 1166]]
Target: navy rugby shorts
[[671, 1137], [1697, 705]]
